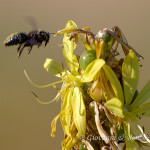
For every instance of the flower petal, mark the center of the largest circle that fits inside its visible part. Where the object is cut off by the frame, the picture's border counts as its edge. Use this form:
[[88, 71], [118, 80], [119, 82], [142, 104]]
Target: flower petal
[[69, 142], [115, 106], [142, 97], [53, 67], [114, 83], [130, 73], [70, 27], [79, 111], [86, 44], [63, 112], [66, 118], [53, 125], [68, 48], [92, 70]]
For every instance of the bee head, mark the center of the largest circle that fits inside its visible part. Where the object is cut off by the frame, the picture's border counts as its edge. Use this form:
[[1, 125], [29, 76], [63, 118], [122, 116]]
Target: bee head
[[44, 36]]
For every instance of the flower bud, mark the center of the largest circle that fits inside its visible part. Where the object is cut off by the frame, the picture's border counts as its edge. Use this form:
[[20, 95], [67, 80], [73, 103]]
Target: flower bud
[[96, 91], [86, 58]]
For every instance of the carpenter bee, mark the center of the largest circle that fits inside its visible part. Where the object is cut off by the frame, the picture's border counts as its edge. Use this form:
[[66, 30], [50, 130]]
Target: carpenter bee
[[22, 39]]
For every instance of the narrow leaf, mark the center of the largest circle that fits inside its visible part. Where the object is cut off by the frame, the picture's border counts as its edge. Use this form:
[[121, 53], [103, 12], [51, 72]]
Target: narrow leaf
[[130, 73], [130, 116], [144, 110], [130, 142], [114, 83], [142, 97]]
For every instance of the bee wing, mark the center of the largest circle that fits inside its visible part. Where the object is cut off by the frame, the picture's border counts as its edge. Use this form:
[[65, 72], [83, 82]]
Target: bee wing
[[31, 20]]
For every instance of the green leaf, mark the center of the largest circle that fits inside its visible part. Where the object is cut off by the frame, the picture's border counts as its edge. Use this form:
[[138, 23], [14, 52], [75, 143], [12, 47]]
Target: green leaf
[[130, 142], [115, 106], [114, 83], [92, 70], [130, 74], [79, 111], [130, 116], [144, 110], [142, 97], [68, 48], [65, 118], [53, 67]]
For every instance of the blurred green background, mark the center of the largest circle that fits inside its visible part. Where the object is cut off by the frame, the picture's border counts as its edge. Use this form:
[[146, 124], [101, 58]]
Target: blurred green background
[[24, 123]]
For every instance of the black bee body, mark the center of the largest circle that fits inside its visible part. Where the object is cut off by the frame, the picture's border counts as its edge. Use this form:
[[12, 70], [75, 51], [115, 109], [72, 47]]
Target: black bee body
[[35, 37], [16, 38]]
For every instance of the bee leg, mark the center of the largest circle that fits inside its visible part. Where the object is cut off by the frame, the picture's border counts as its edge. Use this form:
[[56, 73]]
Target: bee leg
[[46, 43], [29, 50], [20, 51], [19, 48], [39, 45], [26, 44]]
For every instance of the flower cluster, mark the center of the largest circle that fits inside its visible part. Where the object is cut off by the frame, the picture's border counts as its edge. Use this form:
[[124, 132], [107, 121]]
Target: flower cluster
[[99, 95]]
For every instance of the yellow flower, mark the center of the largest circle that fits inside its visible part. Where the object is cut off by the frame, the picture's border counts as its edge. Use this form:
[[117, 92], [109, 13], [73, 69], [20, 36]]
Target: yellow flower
[[73, 108]]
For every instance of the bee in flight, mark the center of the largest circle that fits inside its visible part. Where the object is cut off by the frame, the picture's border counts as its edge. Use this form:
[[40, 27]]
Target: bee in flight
[[22, 39]]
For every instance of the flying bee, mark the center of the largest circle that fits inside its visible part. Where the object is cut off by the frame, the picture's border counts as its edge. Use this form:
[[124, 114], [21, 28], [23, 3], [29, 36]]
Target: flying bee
[[22, 39]]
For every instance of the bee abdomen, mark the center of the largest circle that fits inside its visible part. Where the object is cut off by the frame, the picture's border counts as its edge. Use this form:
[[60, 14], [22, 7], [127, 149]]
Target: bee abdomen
[[16, 38]]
